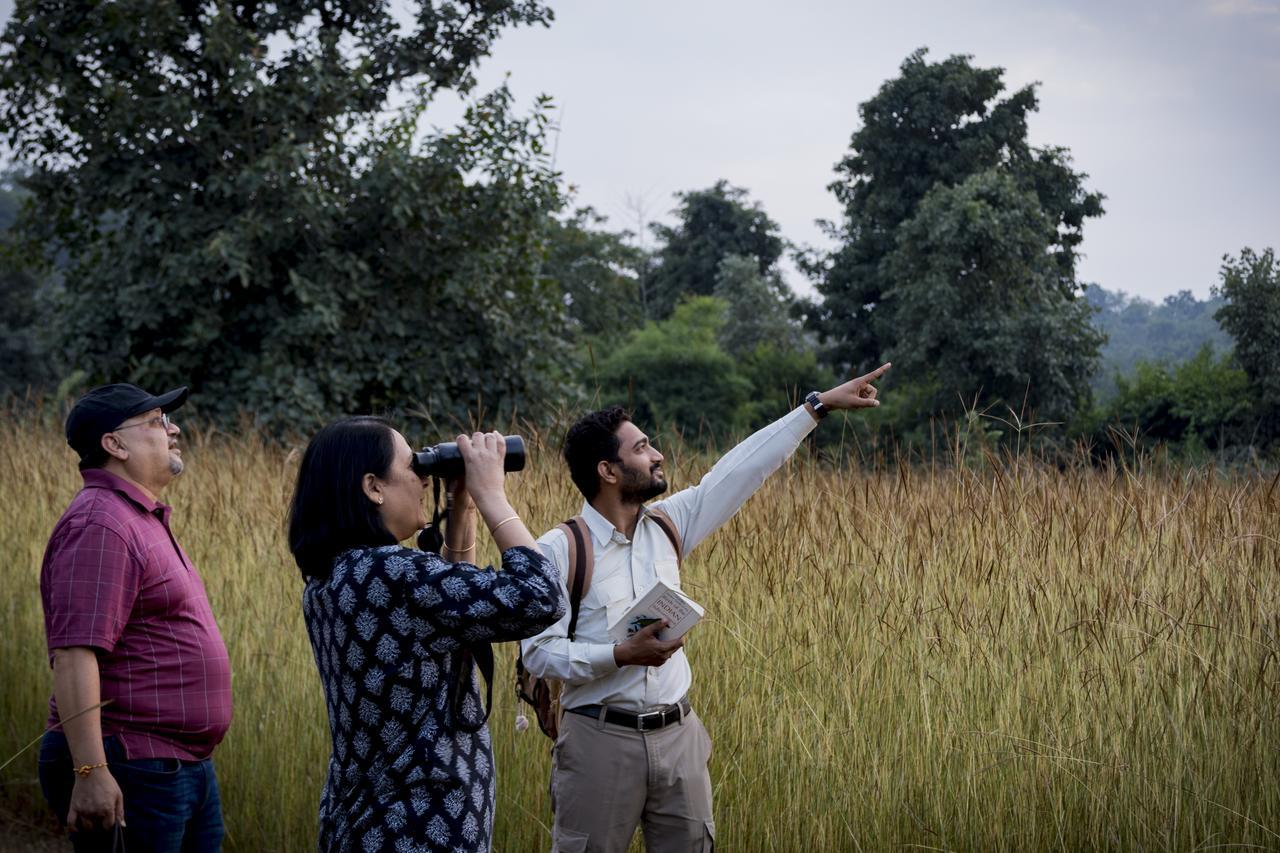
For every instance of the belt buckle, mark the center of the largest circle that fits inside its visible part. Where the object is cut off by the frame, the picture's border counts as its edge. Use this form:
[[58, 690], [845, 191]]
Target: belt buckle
[[642, 720]]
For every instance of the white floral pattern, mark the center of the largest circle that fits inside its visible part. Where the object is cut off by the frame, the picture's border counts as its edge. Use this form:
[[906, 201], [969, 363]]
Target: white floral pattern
[[388, 629]]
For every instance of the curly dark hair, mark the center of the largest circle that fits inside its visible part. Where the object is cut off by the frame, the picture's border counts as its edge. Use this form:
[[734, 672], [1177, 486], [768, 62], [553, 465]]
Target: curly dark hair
[[594, 438]]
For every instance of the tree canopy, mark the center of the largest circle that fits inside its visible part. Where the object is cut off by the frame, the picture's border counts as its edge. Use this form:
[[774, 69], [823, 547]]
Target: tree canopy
[[241, 211], [945, 203], [712, 224], [598, 271], [23, 362], [241, 197], [1250, 286]]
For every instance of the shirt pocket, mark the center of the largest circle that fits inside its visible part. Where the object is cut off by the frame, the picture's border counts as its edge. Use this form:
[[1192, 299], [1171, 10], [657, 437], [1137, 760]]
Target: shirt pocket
[[668, 572], [613, 595], [609, 591]]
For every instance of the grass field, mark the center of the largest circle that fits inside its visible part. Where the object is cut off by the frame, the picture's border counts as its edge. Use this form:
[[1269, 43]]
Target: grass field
[[994, 657]]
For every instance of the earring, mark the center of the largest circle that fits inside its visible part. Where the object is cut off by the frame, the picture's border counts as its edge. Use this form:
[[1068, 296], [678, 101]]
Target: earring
[[379, 501]]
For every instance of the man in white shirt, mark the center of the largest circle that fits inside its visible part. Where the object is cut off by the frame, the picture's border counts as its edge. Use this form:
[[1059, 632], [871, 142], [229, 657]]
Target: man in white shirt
[[631, 750]]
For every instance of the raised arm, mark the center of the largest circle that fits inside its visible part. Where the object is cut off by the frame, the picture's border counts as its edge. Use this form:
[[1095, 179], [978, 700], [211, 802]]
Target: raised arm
[[698, 511], [484, 605]]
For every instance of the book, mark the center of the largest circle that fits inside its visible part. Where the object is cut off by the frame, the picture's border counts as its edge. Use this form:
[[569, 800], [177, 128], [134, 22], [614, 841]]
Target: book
[[658, 602]]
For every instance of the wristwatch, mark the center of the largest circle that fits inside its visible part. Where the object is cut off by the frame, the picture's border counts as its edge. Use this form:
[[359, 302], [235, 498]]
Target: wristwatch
[[816, 403]]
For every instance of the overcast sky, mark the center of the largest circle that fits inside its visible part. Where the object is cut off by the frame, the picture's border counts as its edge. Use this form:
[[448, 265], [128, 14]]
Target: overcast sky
[[1172, 108]]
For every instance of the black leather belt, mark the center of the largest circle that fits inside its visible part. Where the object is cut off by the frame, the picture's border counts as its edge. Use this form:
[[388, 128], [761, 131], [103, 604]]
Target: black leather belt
[[640, 722]]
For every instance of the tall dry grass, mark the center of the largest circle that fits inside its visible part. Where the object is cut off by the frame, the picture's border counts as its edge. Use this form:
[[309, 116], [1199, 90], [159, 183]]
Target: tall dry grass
[[1005, 658]]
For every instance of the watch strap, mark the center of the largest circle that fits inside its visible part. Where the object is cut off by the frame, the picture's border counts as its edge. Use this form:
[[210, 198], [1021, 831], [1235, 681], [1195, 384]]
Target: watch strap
[[815, 402]]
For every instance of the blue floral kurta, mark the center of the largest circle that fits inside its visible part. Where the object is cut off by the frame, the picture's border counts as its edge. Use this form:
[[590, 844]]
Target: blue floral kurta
[[389, 628]]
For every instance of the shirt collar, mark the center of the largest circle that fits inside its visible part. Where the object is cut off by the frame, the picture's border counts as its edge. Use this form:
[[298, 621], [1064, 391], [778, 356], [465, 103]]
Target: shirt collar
[[602, 529], [96, 478]]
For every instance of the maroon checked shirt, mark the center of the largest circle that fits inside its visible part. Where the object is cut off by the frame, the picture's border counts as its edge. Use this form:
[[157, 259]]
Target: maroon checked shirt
[[115, 579]]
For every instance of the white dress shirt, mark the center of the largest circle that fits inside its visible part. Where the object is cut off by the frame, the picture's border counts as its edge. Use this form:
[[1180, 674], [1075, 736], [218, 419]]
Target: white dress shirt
[[625, 569]]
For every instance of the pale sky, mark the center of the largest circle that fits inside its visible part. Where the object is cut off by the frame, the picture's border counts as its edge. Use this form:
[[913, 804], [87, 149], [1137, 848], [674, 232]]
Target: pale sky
[[1172, 108]]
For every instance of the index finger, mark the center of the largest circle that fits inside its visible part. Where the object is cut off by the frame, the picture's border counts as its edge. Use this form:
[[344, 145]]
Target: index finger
[[875, 374]]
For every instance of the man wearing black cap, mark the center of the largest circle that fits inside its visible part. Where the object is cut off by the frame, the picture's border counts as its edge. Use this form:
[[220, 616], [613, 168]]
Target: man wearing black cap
[[141, 678]]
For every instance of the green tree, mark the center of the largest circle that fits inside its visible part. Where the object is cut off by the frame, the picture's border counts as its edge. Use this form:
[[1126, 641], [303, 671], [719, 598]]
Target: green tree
[[673, 374], [1251, 287], [757, 311], [23, 360], [1202, 404], [768, 346], [712, 224], [1169, 332], [598, 272], [942, 133], [779, 377], [977, 302], [239, 212]]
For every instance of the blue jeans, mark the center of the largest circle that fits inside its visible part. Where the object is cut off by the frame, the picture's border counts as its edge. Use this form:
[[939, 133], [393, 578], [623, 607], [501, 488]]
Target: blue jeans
[[170, 806]]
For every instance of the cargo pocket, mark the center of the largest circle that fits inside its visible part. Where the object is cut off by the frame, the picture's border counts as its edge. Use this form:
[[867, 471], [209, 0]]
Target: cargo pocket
[[568, 841]]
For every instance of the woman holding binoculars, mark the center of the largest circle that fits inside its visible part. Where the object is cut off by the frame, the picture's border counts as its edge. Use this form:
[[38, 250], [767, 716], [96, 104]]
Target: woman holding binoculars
[[396, 632]]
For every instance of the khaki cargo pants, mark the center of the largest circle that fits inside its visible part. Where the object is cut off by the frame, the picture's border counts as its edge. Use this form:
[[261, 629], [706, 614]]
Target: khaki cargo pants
[[606, 779]]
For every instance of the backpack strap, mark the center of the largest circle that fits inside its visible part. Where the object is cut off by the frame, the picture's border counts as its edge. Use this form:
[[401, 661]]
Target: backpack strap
[[581, 564], [669, 527]]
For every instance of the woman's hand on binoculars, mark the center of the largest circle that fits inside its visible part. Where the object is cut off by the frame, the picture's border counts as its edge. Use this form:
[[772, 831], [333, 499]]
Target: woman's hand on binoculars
[[459, 497], [482, 454]]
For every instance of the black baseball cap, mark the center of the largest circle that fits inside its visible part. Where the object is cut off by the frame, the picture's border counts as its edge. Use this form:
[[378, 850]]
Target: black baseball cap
[[106, 407]]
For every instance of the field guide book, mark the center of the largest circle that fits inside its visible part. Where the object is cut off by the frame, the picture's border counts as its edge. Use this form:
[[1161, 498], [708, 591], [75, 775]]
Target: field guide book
[[659, 602]]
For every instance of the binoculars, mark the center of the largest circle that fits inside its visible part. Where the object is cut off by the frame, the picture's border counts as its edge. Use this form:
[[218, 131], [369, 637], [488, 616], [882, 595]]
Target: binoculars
[[445, 460]]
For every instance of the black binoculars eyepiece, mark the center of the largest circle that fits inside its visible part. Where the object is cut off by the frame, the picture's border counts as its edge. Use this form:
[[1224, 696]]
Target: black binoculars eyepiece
[[445, 460]]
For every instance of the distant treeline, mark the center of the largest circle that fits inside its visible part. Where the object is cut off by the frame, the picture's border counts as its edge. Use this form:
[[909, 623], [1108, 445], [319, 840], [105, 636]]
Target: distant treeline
[[222, 196], [1164, 333]]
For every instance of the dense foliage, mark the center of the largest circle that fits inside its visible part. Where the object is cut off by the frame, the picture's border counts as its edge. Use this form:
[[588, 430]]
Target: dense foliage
[[238, 212], [239, 197], [946, 204], [598, 272], [1169, 332], [1198, 405], [711, 225], [1250, 286], [23, 364]]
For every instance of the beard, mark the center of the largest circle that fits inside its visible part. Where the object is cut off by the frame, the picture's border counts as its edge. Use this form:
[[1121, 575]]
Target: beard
[[639, 486], [175, 465]]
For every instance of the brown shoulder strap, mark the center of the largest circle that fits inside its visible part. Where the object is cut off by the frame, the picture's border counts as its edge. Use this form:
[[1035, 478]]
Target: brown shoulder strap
[[669, 527], [581, 564]]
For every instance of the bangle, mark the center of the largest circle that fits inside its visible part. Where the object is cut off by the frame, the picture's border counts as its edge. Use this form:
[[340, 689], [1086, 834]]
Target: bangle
[[453, 550], [85, 769], [494, 529]]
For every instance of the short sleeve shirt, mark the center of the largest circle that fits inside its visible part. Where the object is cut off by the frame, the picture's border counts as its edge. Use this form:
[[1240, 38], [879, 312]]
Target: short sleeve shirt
[[116, 580]]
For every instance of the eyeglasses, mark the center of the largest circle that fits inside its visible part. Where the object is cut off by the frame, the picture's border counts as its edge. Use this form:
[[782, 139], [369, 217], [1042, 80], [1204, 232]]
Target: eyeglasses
[[162, 420]]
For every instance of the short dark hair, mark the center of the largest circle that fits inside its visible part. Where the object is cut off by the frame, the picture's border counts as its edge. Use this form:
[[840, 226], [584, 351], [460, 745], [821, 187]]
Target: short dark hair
[[330, 511], [594, 438]]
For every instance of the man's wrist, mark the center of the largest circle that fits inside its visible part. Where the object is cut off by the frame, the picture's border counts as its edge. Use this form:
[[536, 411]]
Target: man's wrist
[[816, 404], [83, 771]]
